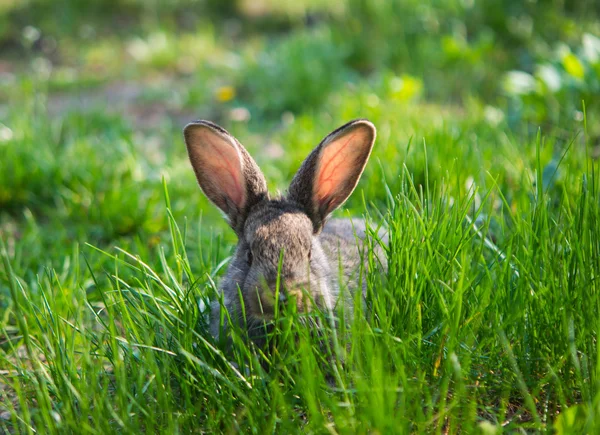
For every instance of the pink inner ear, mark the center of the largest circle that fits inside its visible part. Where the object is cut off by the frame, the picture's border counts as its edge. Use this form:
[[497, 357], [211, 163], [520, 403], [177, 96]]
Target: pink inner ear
[[340, 164], [221, 163]]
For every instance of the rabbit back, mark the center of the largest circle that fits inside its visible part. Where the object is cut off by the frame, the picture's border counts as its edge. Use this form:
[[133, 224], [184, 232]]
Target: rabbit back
[[343, 241]]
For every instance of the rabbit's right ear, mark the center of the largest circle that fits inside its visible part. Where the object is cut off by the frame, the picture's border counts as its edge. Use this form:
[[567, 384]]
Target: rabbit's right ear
[[330, 173], [227, 174]]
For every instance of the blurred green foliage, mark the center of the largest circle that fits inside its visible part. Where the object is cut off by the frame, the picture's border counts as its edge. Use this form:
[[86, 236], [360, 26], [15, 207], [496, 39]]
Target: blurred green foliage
[[560, 86], [458, 48]]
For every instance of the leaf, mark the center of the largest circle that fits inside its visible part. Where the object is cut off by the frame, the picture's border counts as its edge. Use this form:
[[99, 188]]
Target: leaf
[[573, 66], [550, 77], [519, 83], [591, 47], [572, 420]]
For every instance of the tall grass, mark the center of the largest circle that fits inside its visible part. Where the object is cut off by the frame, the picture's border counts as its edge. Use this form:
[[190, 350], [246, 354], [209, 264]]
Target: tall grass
[[460, 334], [486, 319]]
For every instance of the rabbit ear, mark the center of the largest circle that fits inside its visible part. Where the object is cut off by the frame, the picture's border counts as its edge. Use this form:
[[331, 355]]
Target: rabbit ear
[[330, 173], [227, 174]]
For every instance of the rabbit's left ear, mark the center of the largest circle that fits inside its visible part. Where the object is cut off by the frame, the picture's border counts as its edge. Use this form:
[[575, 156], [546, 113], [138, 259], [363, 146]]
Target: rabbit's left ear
[[227, 174], [330, 173]]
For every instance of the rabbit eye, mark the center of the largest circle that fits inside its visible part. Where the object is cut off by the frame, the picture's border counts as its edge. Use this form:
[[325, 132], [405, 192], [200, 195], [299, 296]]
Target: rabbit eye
[[248, 257]]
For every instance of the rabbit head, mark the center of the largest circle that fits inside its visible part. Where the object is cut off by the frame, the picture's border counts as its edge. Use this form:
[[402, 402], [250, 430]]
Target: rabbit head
[[279, 257]]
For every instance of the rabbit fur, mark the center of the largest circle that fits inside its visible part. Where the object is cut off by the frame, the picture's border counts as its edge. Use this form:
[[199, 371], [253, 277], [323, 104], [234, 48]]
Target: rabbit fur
[[290, 235]]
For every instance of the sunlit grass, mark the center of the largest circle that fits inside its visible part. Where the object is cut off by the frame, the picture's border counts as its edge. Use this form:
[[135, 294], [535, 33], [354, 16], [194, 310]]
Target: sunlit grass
[[487, 317]]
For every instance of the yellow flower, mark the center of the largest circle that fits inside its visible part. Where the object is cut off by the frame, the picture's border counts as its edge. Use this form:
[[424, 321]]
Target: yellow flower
[[225, 93]]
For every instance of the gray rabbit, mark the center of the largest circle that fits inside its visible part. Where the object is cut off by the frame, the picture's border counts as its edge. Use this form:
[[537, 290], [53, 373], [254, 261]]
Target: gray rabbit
[[290, 236]]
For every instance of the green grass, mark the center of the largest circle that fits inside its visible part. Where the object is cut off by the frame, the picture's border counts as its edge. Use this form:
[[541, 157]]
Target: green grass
[[487, 319]]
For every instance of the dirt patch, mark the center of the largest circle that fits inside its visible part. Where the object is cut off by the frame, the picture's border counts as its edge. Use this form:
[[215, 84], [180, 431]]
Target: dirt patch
[[121, 98]]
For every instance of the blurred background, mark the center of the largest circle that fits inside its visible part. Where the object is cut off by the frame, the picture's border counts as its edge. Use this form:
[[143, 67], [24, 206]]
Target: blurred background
[[94, 94], [159, 61]]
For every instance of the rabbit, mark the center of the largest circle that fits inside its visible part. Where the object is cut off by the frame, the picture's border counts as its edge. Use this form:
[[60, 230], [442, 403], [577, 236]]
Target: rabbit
[[290, 235]]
